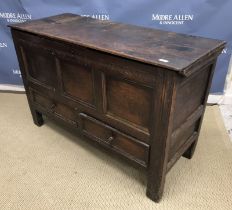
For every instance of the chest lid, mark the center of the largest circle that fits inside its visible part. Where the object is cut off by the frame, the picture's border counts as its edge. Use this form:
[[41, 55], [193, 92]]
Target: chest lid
[[173, 51]]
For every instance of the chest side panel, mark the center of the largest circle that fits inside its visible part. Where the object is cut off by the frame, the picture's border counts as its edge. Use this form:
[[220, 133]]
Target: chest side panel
[[189, 108]]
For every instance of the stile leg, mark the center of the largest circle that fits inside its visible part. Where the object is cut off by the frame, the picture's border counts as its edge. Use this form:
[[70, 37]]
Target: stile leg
[[37, 117], [155, 185], [190, 151], [160, 136]]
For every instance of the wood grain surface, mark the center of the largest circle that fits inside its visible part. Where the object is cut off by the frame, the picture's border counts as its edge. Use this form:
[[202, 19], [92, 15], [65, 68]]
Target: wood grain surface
[[167, 49]]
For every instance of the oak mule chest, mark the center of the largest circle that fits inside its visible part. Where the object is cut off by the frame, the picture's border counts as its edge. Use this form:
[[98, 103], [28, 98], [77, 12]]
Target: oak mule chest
[[138, 92]]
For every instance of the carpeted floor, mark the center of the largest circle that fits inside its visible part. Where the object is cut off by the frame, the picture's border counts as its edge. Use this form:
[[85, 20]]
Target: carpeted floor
[[49, 168]]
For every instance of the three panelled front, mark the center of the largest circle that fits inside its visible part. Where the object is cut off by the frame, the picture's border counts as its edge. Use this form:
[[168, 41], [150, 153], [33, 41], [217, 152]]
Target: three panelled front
[[109, 99]]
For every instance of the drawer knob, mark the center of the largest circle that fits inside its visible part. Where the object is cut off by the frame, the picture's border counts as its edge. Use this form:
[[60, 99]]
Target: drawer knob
[[51, 51], [52, 107], [110, 139], [73, 52]]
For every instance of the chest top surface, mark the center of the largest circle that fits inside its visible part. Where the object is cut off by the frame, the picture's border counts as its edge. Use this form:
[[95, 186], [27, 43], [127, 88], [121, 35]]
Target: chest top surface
[[170, 50]]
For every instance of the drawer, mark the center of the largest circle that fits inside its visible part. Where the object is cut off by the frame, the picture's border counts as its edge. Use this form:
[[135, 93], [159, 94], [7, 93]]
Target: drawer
[[43, 101], [64, 112], [54, 107], [112, 138]]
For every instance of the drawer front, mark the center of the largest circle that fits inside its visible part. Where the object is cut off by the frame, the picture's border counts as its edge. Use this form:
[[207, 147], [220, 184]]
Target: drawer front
[[49, 105], [121, 143], [42, 101]]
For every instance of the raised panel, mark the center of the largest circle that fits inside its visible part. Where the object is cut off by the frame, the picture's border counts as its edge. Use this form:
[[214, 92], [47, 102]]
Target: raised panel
[[128, 102], [40, 65], [77, 81]]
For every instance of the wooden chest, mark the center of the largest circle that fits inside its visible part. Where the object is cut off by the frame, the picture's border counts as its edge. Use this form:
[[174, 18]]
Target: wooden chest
[[138, 92]]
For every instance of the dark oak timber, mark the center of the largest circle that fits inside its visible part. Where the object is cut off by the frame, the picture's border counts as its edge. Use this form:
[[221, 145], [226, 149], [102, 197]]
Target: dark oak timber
[[137, 92]]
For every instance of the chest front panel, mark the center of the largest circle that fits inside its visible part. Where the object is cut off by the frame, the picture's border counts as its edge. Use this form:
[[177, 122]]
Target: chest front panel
[[68, 80]]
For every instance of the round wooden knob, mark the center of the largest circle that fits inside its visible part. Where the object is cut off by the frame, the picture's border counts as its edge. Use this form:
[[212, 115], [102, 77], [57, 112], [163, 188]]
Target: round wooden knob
[[110, 139], [52, 107]]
